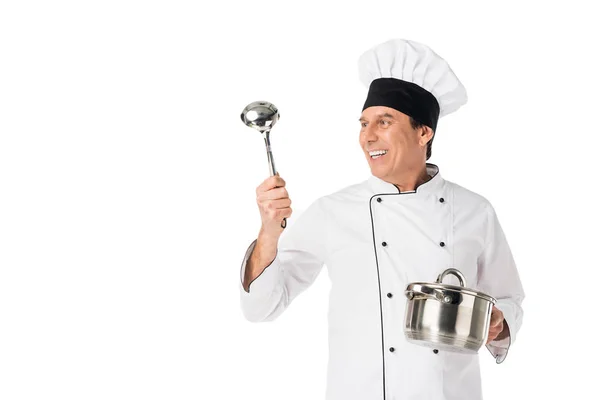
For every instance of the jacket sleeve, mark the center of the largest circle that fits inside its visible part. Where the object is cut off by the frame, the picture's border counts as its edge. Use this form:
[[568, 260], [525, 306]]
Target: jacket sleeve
[[498, 277], [299, 260]]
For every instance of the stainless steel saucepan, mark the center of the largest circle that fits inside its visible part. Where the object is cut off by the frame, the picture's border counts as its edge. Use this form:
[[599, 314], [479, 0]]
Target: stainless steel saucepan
[[447, 317]]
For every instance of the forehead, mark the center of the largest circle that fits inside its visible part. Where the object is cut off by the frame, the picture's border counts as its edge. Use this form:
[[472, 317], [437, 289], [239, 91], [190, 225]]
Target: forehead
[[382, 111]]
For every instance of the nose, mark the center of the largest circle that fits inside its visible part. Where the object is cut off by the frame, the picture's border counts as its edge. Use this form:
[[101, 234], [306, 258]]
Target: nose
[[370, 133]]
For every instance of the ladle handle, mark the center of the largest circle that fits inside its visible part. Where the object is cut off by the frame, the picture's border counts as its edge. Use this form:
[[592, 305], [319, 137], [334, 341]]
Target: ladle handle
[[272, 166], [284, 222]]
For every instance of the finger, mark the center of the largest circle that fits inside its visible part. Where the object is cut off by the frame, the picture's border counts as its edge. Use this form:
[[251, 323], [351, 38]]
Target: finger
[[493, 329], [497, 317], [278, 204], [273, 194], [285, 212], [270, 183], [278, 181], [492, 334], [499, 312], [494, 323], [279, 213]]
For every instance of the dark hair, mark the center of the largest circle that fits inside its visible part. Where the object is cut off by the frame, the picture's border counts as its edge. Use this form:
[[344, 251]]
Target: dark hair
[[416, 125]]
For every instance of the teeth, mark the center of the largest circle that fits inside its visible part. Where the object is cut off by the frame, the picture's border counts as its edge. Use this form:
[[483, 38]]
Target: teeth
[[377, 153]]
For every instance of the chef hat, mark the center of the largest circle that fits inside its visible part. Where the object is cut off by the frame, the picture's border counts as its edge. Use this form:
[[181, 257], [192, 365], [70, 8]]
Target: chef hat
[[409, 77]]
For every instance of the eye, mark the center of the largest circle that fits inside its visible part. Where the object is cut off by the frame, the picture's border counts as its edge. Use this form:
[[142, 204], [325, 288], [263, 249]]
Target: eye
[[385, 122], [363, 124]]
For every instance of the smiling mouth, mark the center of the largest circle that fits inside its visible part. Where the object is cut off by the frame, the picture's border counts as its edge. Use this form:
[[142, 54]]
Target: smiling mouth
[[378, 155]]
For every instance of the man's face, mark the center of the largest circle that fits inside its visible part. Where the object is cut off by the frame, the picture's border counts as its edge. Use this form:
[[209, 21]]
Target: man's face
[[384, 128]]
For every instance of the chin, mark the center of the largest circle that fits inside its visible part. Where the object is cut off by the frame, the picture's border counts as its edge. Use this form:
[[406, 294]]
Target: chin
[[378, 173], [377, 170]]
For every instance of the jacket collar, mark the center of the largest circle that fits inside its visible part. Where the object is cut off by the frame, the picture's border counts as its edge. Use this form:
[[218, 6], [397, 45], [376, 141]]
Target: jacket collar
[[379, 186]]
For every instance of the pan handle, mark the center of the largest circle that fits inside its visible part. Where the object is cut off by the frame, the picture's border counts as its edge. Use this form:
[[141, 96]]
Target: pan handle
[[435, 294]]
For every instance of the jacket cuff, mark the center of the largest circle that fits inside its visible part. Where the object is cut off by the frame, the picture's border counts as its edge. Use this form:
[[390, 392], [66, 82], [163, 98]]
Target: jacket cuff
[[499, 347], [266, 282]]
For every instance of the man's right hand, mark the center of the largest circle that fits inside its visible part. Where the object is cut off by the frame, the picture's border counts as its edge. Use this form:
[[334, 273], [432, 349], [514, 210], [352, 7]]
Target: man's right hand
[[274, 205]]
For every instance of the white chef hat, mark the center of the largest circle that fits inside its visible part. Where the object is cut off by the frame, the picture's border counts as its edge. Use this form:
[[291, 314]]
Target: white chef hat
[[409, 77]]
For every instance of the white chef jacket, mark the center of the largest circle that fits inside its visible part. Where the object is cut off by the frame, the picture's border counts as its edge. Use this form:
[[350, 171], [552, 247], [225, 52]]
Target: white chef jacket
[[375, 240]]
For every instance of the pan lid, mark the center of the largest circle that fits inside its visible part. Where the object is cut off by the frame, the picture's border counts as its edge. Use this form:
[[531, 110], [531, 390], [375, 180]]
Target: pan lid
[[419, 286]]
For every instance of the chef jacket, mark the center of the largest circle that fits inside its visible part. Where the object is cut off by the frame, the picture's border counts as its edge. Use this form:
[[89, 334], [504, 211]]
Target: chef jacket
[[375, 240]]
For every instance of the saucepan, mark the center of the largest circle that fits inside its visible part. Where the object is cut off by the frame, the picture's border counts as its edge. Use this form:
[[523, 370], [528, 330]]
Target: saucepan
[[447, 317]]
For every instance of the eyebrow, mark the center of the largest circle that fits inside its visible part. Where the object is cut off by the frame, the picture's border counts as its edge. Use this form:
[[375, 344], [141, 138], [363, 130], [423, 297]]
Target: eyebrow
[[384, 115]]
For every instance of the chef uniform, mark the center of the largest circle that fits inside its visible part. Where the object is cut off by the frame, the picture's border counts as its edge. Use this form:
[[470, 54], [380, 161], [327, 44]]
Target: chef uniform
[[375, 240]]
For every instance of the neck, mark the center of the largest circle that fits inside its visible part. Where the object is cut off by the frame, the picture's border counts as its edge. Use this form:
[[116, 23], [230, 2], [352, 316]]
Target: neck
[[411, 179]]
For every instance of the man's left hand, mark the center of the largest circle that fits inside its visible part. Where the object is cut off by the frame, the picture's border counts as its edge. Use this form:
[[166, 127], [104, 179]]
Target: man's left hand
[[496, 324]]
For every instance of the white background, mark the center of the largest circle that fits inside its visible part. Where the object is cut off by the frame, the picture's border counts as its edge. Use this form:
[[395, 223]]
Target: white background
[[127, 184]]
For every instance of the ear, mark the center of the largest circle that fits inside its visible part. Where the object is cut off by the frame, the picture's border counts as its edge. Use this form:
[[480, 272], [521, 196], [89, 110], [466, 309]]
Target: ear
[[425, 135]]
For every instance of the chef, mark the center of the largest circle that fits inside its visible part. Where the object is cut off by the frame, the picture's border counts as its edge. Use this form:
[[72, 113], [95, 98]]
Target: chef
[[403, 224]]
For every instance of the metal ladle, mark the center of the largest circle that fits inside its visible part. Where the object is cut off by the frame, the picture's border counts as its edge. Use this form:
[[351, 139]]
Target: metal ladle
[[262, 116]]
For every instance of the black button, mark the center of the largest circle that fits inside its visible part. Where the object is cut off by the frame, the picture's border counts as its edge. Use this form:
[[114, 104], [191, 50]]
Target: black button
[[442, 244], [379, 199], [384, 244], [392, 349], [442, 200], [390, 295], [435, 351]]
